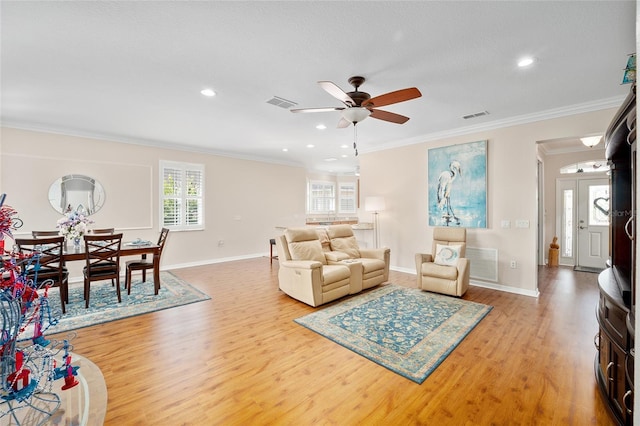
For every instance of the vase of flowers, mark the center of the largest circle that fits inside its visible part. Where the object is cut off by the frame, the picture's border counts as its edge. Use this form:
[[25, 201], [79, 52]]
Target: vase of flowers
[[73, 226]]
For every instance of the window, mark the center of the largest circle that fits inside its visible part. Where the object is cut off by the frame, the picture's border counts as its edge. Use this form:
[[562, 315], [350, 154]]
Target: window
[[321, 197], [586, 167], [182, 195], [347, 197], [567, 223], [598, 205]]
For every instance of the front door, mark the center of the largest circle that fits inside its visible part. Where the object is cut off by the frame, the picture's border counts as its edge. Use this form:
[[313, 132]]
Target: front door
[[593, 223]]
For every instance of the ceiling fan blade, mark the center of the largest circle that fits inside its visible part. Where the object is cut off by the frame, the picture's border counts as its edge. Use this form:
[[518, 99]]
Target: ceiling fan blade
[[392, 98], [343, 123], [326, 109], [388, 116], [336, 92]]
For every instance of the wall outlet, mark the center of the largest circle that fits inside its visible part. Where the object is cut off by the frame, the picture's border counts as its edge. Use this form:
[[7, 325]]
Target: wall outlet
[[220, 243], [513, 264]]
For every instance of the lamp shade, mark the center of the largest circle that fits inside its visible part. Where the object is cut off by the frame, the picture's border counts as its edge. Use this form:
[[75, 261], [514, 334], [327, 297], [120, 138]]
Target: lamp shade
[[355, 114], [374, 204], [591, 141]]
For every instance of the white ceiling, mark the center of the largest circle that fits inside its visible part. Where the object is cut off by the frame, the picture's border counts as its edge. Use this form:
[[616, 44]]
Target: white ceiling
[[132, 70]]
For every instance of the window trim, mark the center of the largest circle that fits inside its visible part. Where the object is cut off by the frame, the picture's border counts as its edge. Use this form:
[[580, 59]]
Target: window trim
[[184, 168], [354, 197], [311, 198]]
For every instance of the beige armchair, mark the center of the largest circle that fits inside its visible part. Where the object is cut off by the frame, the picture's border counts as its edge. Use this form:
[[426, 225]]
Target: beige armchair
[[304, 272], [345, 249], [446, 270]]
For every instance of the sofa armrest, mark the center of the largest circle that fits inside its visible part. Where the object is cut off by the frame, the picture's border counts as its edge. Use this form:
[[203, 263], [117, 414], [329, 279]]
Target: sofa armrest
[[379, 253], [422, 258], [301, 264], [335, 256]]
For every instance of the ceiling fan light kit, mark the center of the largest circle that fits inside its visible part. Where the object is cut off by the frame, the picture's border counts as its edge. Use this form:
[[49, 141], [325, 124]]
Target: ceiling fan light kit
[[355, 114], [360, 105]]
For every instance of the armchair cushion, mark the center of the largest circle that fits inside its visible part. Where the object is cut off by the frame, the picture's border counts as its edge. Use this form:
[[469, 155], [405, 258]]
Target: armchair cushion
[[447, 254], [439, 271]]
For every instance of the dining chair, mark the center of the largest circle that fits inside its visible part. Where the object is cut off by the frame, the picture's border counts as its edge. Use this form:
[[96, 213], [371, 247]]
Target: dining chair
[[103, 231], [52, 266], [38, 234], [143, 264], [102, 261]]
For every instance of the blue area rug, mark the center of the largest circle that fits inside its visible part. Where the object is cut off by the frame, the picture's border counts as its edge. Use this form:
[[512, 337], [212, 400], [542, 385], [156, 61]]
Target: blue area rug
[[406, 330], [104, 306]]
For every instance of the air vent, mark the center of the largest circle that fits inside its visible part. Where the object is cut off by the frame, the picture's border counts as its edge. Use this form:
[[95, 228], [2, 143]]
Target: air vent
[[281, 102], [477, 114]]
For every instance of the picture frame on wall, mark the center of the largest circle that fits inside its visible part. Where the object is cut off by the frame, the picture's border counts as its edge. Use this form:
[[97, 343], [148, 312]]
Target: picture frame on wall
[[457, 185]]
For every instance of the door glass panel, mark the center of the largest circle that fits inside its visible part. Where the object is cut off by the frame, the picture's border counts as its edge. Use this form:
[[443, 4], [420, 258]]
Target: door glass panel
[[567, 223], [599, 205]]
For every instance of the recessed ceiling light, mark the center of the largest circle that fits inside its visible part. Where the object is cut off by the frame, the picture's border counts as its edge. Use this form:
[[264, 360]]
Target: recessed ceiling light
[[310, 146], [285, 149], [321, 127], [344, 146], [208, 92], [526, 61], [330, 159], [344, 155]]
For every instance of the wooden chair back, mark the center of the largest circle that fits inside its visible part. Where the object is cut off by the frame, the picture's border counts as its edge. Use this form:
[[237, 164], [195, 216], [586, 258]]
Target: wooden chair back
[[102, 256], [49, 251], [38, 234], [103, 231]]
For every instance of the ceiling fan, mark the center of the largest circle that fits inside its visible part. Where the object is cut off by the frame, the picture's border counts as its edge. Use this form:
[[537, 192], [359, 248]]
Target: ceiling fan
[[360, 105]]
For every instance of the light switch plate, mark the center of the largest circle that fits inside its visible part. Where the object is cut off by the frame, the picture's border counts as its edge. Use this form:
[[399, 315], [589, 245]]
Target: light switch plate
[[521, 223], [506, 224]]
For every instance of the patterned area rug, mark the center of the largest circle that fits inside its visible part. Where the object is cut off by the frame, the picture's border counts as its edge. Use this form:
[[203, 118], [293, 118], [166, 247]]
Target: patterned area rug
[[406, 330], [104, 306]]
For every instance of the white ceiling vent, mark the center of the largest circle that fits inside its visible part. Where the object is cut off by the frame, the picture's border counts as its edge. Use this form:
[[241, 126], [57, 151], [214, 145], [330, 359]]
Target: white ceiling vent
[[281, 102], [477, 114]]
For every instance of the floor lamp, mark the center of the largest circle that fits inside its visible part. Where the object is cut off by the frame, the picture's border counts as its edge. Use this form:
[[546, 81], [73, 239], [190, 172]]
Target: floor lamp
[[375, 205]]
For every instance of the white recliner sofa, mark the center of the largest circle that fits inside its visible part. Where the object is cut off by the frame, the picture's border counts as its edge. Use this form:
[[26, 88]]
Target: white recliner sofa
[[373, 262], [304, 272], [312, 270]]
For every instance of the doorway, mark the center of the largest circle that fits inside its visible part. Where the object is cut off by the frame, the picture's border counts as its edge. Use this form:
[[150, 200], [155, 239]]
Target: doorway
[[593, 223], [582, 216]]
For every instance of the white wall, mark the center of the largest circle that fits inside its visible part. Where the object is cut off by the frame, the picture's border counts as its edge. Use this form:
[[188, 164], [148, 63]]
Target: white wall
[[245, 200], [400, 175]]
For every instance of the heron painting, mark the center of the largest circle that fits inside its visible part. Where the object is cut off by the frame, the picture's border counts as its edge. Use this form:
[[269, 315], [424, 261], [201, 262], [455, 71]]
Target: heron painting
[[458, 185]]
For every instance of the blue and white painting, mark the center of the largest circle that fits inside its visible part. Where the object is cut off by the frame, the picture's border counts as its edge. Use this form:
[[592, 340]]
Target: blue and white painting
[[458, 185]]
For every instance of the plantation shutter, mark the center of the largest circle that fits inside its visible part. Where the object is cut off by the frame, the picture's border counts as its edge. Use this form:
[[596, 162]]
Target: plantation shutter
[[182, 195]]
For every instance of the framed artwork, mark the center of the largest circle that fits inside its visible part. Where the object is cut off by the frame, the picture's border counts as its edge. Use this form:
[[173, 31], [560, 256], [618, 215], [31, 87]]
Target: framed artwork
[[457, 185]]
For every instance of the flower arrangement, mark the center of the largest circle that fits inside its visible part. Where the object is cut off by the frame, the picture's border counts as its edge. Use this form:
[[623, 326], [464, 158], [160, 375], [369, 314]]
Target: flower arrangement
[[73, 226]]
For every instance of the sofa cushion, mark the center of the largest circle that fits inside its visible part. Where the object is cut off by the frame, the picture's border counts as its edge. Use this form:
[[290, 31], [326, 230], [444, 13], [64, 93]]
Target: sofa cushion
[[307, 250], [447, 254], [347, 245], [303, 244], [431, 269]]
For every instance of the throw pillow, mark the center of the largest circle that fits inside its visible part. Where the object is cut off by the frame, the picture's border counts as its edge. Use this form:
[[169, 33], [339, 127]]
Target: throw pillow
[[447, 255]]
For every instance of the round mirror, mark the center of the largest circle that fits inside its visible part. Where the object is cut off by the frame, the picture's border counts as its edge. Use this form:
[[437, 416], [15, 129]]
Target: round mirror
[[76, 193]]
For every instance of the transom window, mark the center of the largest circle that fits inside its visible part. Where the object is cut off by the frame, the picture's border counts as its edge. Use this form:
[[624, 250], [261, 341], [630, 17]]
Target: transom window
[[181, 195]]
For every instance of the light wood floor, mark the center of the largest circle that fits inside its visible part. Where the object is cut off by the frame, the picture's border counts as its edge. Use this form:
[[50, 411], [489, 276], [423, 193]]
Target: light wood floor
[[240, 359]]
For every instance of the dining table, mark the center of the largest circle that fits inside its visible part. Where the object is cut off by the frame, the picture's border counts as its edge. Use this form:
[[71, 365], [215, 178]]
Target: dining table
[[74, 253]]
